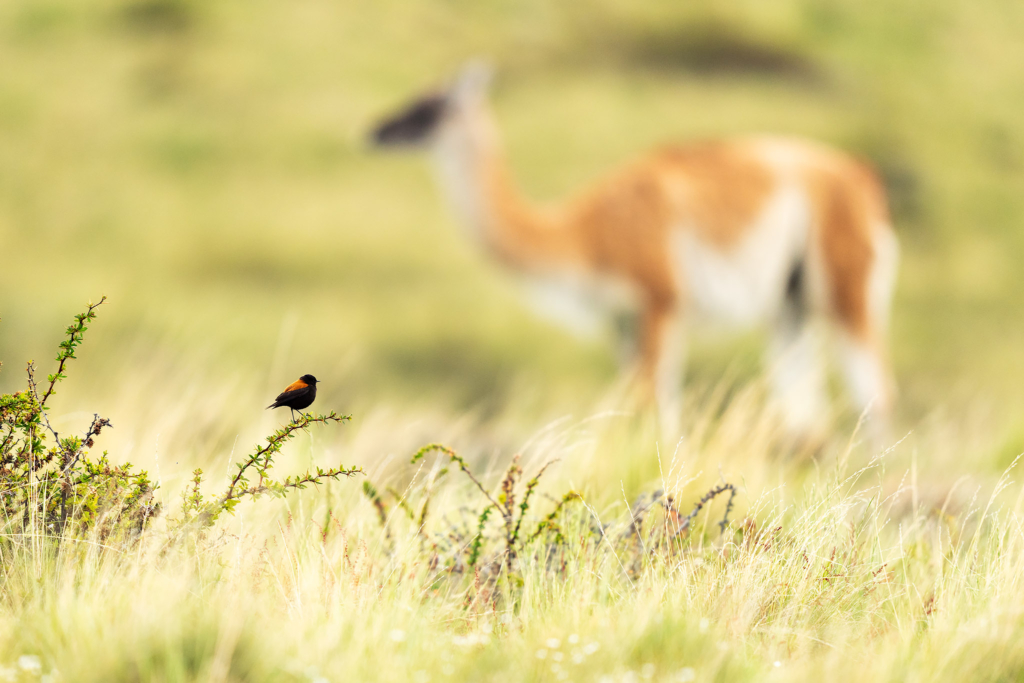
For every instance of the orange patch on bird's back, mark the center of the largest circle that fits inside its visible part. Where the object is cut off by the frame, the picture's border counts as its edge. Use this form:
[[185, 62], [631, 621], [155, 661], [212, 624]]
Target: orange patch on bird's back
[[719, 188], [297, 384]]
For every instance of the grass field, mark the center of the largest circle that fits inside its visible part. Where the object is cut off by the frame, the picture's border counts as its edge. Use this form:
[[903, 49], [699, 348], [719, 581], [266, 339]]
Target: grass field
[[204, 165]]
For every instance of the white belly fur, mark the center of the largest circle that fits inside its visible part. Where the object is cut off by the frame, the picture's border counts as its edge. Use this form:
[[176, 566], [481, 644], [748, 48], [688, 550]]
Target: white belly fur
[[740, 287], [580, 303], [745, 285]]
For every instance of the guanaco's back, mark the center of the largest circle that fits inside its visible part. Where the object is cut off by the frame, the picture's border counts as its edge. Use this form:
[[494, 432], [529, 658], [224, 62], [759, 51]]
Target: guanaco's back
[[748, 230]]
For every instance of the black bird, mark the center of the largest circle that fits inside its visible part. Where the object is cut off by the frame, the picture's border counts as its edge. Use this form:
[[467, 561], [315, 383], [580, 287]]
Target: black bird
[[298, 395]]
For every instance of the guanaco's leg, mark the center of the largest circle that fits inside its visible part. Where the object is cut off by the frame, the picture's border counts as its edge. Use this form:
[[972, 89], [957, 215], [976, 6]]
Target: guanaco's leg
[[861, 346], [796, 372], [661, 359], [859, 253]]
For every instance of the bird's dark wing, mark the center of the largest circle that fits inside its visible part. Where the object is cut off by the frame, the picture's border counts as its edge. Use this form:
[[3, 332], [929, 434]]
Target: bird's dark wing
[[289, 395]]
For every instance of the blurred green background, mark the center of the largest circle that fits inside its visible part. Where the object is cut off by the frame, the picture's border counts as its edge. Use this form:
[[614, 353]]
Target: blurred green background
[[203, 164]]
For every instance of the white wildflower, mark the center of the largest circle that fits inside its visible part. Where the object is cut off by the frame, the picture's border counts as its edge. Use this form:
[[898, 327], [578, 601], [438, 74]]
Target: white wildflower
[[30, 664], [647, 671], [397, 635], [553, 643], [685, 675], [471, 639], [542, 653], [591, 647]]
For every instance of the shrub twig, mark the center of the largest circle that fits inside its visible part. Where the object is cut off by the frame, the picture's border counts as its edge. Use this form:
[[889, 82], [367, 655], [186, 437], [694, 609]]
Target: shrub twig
[[684, 525], [76, 334], [457, 459], [260, 462]]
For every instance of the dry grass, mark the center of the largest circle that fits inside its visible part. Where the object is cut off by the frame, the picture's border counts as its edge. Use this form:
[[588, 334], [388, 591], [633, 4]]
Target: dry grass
[[852, 573], [203, 165]]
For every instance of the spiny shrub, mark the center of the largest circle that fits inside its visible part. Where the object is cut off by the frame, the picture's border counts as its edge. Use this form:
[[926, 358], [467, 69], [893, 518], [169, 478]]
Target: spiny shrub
[[202, 512], [495, 539], [51, 484], [51, 480]]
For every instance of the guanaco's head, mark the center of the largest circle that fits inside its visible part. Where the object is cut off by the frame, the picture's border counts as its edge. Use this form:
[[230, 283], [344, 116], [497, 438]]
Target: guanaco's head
[[420, 122]]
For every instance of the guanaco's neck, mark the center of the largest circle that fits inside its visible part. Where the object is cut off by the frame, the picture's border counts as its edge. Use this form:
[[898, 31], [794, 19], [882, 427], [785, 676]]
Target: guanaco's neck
[[479, 184]]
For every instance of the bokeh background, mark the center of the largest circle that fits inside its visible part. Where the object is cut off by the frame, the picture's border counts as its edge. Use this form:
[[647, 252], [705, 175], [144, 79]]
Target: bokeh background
[[204, 165]]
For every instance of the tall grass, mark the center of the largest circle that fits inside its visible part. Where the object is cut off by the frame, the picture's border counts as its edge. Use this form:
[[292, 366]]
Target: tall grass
[[202, 163], [532, 566], [845, 579], [442, 569]]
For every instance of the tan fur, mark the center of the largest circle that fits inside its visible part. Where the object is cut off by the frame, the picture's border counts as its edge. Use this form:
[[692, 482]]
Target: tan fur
[[719, 186], [622, 229], [624, 226], [849, 208]]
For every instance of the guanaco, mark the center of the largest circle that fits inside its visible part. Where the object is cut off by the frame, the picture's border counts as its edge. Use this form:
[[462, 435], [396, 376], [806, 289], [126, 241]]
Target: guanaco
[[747, 230]]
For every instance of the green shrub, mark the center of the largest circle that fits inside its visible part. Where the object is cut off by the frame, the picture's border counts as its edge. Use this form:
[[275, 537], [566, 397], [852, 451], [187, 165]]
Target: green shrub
[[51, 481], [51, 485]]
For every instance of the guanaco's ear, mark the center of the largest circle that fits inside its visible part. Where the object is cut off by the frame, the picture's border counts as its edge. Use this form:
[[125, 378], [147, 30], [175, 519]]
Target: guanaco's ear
[[473, 80], [413, 125]]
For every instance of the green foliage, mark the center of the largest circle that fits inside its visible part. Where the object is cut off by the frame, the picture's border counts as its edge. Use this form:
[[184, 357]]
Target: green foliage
[[192, 497], [549, 523], [253, 479], [378, 503], [478, 540], [48, 480], [51, 480], [498, 549], [261, 461]]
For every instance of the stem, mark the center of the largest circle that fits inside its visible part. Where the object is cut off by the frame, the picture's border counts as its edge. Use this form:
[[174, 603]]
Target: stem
[[68, 351], [456, 458]]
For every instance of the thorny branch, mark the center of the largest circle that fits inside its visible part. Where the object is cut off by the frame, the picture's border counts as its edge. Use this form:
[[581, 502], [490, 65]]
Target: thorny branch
[[684, 524], [57, 483], [262, 460], [76, 333], [531, 486], [457, 459]]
